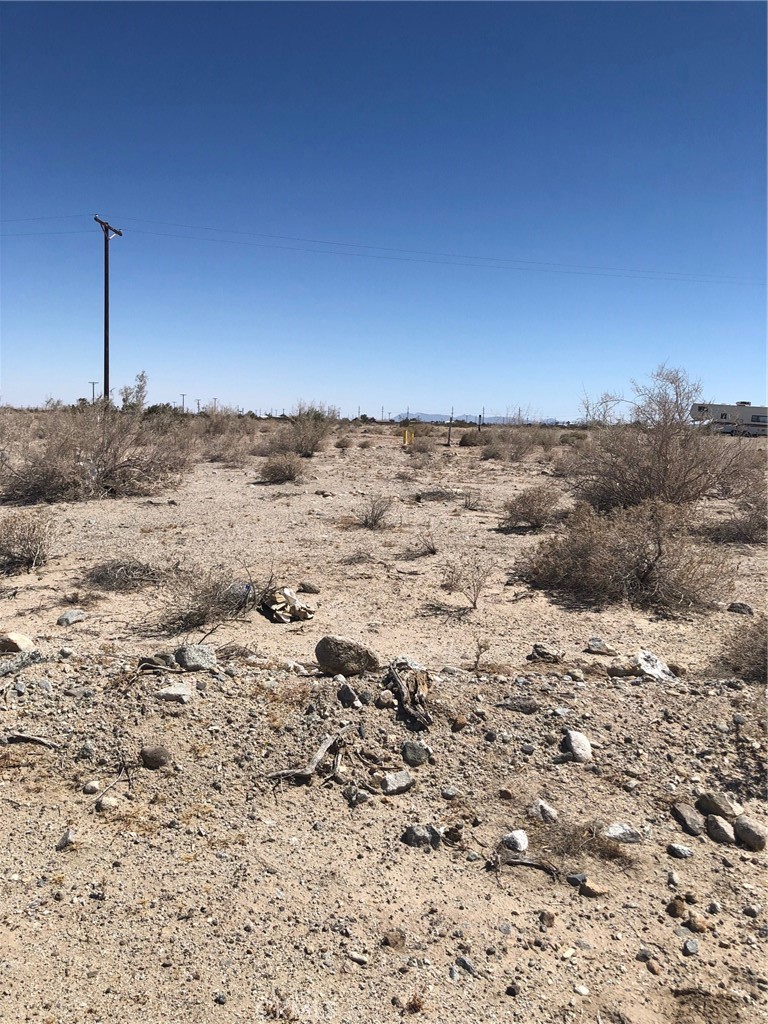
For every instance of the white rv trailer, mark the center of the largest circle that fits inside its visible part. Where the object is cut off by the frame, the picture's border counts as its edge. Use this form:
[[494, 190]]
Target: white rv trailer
[[742, 419]]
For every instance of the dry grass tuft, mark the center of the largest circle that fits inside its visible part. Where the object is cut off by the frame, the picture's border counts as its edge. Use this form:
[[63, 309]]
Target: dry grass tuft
[[281, 468], [643, 555], [534, 508], [373, 515], [122, 575], [25, 541], [468, 575], [746, 653], [198, 597]]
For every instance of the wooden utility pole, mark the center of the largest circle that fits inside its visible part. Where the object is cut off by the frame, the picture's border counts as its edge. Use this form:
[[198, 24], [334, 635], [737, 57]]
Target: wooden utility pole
[[106, 228], [93, 384], [183, 396]]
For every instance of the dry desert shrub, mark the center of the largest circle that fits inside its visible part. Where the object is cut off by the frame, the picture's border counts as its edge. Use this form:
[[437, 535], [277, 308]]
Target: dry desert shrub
[[373, 514], [95, 451], [644, 555], [746, 652], [122, 575], [534, 508], [345, 441], [423, 546], [468, 575], [195, 597], [306, 431], [280, 468], [472, 439], [25, 540], [659, 456], [422, 444]]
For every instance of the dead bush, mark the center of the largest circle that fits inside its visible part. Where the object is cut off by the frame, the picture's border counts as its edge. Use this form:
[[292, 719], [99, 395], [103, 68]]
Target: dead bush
[[534, 508], [659, 456], [345, 441], [472, 439], [423, 546], [746, 652], [468, 575], [422, 444], [195, 597], [95, 451], [279, 469], [373, 514], [644, 555], [25, 541], [569, 841], [305, 433], [122, 575]]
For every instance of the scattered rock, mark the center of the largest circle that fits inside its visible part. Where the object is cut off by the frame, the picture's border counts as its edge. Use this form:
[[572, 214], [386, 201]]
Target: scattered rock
[[394, 938], [581, 990], [690, 819], [415, 754], [523, 705], [355, 797], [178, 692], [459, 722], [643, 664], [466, 965], [196, 657], [690, 947], [385, 699], [92, 787], [307, 588], [348, 697], [16, 643], [357, 958], [596, 645], [696, 923], [678, 851], [720, 804], [577, 744], [422, 837], [720, 830], [741, 608], [516, 840], [545, 652], [338, 654], [677, 907], [107, 803], [394, 783], [592, 890], [544, 811], [621, 833], [750, 833], [68, 839], [71, 617], [154, 757]]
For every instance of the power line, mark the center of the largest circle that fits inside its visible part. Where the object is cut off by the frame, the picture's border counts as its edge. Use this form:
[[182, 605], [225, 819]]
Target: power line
[[407, 255], [636, 276], [428, 252], [64, 216], [34, 234]]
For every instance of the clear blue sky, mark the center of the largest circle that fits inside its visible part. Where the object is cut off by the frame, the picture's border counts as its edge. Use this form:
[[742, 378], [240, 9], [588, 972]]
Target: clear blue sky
[[580, 136]]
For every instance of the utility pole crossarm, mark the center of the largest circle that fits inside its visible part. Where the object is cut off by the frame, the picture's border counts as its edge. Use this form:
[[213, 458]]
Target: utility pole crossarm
[[107, 227]]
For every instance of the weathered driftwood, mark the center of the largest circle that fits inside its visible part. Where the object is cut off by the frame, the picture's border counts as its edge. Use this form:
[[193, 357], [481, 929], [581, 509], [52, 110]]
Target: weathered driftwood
[[501, 856], [410, 686], [22, 737], [329, 743]]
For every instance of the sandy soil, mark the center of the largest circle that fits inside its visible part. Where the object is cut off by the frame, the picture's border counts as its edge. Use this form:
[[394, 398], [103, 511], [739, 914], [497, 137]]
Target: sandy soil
[[208, 893]]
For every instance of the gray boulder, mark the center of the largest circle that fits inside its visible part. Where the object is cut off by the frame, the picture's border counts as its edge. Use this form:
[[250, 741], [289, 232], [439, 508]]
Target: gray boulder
[[196, 657], [338, 655], [750, 833]]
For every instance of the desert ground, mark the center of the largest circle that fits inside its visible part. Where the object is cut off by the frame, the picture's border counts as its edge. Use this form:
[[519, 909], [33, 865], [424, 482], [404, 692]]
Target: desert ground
[[213, 889]]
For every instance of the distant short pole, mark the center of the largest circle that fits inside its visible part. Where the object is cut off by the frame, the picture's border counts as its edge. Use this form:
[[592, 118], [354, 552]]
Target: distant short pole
[[450, 426], [183, 396], [93, 384], [198, 404]]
